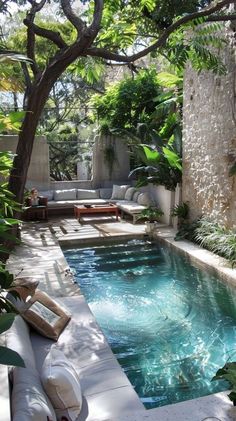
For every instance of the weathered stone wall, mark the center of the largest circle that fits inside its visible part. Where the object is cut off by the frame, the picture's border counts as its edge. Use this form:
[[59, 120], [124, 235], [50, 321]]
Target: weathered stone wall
[[209, 142]]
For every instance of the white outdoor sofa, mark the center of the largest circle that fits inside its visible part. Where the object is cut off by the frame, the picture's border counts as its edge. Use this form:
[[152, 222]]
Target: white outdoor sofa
[[132, 204], [106, 391]]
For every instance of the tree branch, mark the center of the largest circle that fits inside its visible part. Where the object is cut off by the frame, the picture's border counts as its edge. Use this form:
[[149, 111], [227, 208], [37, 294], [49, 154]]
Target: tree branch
[[106, 54], [222, 18], [36, 7], [53, 36], [97, 17], [78, 23]]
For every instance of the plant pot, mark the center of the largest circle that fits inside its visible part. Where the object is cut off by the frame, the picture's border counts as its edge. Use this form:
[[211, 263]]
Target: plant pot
[[150, 227]]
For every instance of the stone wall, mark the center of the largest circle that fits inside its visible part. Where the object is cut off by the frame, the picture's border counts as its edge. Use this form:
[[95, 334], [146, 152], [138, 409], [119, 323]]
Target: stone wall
[[209, 142]]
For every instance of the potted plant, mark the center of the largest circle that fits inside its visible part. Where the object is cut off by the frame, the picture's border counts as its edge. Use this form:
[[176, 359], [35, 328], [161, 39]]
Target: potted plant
[[152, 215]]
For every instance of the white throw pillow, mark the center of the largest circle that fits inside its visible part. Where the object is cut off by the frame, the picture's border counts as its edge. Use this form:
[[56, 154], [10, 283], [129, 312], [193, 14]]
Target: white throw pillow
[[65, 194], [144, 199], [118, 192], [87, 194], [135, 196], [29, 401], [61, 383], [47, 193], [105, 193], [18, 339], [129, 193]]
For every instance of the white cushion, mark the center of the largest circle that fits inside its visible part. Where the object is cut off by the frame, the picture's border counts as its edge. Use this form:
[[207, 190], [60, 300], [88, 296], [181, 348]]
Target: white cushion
[[144, 199], [61, 384], [65, 194], [130, 206], [105, 193], [18, 339], [47, 193], [135, 196], [87, 194], [129, 193], [29, 401], [118, 192], [69, 204]]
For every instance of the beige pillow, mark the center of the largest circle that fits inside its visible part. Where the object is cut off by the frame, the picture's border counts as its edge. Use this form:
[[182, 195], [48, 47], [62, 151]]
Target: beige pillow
[[25, 287], [118, 192], [61, 383], [29, 401], [129, 193], [45, 315], [144, 199]]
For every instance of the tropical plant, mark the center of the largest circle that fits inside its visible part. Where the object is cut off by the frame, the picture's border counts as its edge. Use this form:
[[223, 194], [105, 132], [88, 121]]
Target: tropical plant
[[7, 206], [162, 165], [212, 236], [228, 373], [7, 310], [151, 214], [181, 210], [217, 238]]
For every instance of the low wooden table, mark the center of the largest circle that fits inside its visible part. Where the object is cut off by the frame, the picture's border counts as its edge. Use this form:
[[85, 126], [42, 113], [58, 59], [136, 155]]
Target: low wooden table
[[36, 212], [93, 209]]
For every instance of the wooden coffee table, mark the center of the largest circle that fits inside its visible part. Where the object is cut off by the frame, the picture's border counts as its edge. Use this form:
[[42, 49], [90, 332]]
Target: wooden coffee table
[[93, 209]]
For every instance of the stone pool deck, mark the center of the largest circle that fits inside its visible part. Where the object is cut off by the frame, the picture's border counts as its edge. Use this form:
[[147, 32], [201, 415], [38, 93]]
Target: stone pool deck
[[40, 256]]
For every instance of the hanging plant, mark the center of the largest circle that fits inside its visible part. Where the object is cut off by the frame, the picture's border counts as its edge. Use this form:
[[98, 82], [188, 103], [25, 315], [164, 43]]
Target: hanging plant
[[110, 158]]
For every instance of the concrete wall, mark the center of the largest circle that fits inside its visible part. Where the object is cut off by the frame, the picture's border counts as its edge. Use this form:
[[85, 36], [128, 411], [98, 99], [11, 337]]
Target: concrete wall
[[209, 142], [165, 199], [103, 175], [38, 173]]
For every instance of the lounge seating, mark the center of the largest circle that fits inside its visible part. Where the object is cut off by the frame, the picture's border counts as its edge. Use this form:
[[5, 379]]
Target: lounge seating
[[128, 199], [107, 392]]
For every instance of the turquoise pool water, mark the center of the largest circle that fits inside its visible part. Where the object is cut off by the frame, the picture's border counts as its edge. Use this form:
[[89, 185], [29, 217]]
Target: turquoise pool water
[[170, 325]]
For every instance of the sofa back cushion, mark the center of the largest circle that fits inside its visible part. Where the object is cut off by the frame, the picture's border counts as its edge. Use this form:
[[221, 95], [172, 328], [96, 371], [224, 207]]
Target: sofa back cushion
[[47, 193], [129, 193], [118, 192], [65, 194], [87, 194], [29, 401], [18, 339], [105, 193], [144, 199], [61, 383]]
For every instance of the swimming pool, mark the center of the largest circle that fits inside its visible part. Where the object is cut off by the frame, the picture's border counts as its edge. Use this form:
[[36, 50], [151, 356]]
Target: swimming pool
[[170, 324]]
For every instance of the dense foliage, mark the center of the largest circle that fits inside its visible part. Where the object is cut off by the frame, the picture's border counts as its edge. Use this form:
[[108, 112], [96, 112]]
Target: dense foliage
[[212, 236], [127, 103]]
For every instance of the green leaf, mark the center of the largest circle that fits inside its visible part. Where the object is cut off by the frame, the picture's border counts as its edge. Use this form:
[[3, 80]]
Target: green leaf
[[169, 80], [172, 158], [232, 170], [10, 357], [151, 155], [6, 321]]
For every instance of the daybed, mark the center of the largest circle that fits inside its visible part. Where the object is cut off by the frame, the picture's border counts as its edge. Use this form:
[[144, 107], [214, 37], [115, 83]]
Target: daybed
[[106, 391], [128, 199]]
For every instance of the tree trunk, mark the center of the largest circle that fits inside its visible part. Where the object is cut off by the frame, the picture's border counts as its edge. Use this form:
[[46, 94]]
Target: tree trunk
[[21, 162]]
